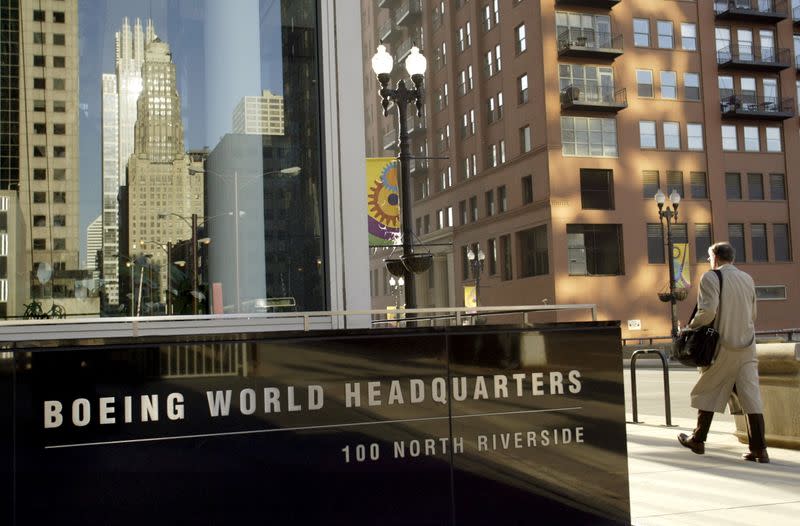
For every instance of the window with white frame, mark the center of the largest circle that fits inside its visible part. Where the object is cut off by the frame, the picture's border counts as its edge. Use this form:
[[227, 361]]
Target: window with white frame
[[520, 39], [669, 85], [688, 36], [522, 86], [691, 86], [729, 141], [588, 137], [488, 63], [644, 82], [525, 139], [647, 134], [752, 143], [773, 139], [665, 37], [672, 136], [641, 32], [694, 136], [498, 64]]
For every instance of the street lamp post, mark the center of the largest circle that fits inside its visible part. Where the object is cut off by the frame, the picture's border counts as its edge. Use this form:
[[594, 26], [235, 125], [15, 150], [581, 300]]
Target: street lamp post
[[396, 284], [401, 96], [168, 249], [131, 265], [476, 262], [666, 216]]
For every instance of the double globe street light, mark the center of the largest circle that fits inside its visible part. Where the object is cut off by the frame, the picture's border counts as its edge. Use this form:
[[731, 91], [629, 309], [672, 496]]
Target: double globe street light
[[668, 215], [402, 96], [476, 262]]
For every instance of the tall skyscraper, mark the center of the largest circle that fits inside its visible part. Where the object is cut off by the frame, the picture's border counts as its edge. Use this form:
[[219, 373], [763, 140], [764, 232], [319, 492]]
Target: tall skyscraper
[[120, 92], [261, 115], [94, 243], [162, 191], [39, 139]]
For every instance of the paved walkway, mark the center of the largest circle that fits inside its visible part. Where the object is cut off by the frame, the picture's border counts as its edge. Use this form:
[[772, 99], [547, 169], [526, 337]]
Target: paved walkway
[[672, 486]]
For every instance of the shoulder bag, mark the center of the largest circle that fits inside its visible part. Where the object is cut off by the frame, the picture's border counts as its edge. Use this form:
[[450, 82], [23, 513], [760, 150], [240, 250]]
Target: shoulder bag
[[697, 347]]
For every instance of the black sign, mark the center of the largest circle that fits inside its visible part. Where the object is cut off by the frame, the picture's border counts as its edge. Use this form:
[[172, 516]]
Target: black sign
[[399, 426]]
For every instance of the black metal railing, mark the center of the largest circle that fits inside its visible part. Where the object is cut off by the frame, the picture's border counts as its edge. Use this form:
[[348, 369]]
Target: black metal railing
[[754, 7], [386, 29], [580, 94], [406, 9], [748, 103], [588, 39], [754, 55]]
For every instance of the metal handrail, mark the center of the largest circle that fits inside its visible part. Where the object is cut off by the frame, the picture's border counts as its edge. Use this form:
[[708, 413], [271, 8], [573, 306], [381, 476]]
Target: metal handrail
[[755, 104], [590, 39], [754, 54], [219, 324], [774, 6], [665, 370], [595, 95]]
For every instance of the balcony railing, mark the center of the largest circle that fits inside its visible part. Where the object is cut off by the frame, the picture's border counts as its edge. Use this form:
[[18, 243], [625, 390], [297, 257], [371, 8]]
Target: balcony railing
[[751, 10], [407, 11], [390, 140], [749, 106], [385, 30], [416, 124], [405, 47], [417, 165], [589, 3], [756, 58], [589, 43], [593, 98]]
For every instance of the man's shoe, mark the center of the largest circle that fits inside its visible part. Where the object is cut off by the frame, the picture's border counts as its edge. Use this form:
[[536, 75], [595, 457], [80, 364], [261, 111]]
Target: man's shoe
[[695, 445], [759, 455]]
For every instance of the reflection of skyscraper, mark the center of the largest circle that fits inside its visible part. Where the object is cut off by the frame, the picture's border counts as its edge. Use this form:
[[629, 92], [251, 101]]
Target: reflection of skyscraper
[[94, 242], [39, 137], [120, 93], [260, 115], [159, 180]]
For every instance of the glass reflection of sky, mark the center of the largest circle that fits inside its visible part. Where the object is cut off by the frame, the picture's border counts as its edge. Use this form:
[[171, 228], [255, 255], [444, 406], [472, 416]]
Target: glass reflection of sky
[[183, 24]]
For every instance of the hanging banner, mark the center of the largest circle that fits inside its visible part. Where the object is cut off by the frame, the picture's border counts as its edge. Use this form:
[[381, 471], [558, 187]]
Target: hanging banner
[[680, 260], [383, 201], [470, 296]]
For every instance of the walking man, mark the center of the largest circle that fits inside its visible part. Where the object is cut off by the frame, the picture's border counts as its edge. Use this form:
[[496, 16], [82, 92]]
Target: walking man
[[735, 368]]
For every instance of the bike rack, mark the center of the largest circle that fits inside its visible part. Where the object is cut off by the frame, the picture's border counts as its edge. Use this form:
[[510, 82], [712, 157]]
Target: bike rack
[[665, 369]]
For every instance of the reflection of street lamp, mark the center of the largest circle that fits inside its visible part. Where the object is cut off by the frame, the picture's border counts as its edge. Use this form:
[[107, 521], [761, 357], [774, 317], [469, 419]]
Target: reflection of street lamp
[[666, 216], [130, 264], [237, 214], [396, 285], [382, 64], [168, 248], [477, 267]]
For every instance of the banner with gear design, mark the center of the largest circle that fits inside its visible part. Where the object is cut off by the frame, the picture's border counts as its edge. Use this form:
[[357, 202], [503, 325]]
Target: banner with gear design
[[383, 201]]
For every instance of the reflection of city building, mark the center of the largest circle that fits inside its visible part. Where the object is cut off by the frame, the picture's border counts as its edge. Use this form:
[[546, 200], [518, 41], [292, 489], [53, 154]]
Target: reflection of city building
[[94, 244], [262, 115], [39, 140], [13, 268], [554, 123], [120, 92], [159, 177]]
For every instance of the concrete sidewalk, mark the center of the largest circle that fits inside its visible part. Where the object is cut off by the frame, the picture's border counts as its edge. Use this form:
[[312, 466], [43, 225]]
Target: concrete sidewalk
[[670, 485]]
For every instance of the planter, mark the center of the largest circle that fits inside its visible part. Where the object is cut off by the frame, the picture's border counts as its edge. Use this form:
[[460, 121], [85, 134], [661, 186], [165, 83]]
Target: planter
[[417, 263], [395, 267]]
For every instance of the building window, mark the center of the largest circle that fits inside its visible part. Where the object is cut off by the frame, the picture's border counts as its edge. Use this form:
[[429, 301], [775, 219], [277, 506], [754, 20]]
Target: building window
[[38, 83], [773, 139], [490, 205], [58, 17], [59, 129], [39, 128], [40, 151], [462, 211], [502, 199], [522, 85], [59, 243], [39, 244], [59, 106], [498, 63], [39, 105], [38, 38], [597, 189], [59, 220], [59, 197], [492, 257], [665, 40], [781, 242], [59, 84], [758, 239], [525, 139], [777, 187], [505, 250], [39, 220], [595, 250], [641, 32], [755, 187], [699, 185], [733, 186], [59, 62], [39, 174], [694, 137], [38, 61], [527, 189], [533, 251], [770, 292], [655, 243], [702, 240], [59, 174], [59, 39], [672, 136], [691, 86], [521, 43], [588, 137], [647, 134], [688, 36], [59, 151], [675, 182], [736, 239], [502, 148], [38, 15], [644, 82], [752, 142], [669, 85], [729, 141], [650, 184], [473, 207]]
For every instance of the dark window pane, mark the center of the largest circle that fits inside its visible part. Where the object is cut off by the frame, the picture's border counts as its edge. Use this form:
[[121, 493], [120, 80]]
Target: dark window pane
[[755, 186], [505, 248], [675, 182], [733, 186], [595, 249], [702, 240], [597, 189], [533, 251], [758, 234], [655, 243], [780, 235], [649, 183], [699, 185], [736, 239], [527, 189], [492, 257], [777, 187]]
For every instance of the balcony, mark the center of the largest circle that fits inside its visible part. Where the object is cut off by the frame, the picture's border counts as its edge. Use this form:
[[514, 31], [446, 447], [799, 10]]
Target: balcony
[[415, 124], [748, 106], [390, 140], [386, 29], [386, 3], [405, 47], [598, 99], [606, 4], [582, 43], [754, 58], [408, 12], [417, 165], [759, 11]]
